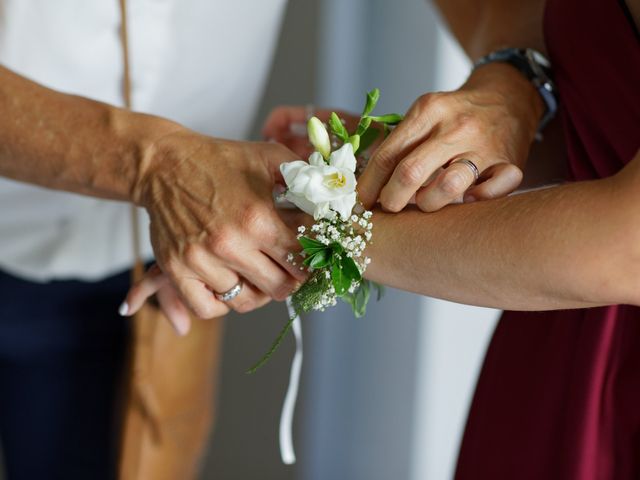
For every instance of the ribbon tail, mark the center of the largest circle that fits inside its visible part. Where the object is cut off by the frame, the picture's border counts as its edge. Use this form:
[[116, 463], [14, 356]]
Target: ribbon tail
[[287, 451]]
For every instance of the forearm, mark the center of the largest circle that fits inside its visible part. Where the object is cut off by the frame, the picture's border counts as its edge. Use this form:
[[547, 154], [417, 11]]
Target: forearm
[[565, 247], [72, 143], [486, 25]]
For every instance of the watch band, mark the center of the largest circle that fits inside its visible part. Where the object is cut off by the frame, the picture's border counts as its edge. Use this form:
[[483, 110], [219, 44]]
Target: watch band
[[537, 68]]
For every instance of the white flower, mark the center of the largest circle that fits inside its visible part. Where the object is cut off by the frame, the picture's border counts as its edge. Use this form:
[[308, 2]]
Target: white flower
[[319, 137], [320, 189]]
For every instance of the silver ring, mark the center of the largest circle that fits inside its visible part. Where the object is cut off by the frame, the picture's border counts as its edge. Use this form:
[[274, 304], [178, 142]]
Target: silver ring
[[230, 294], [472, 166]]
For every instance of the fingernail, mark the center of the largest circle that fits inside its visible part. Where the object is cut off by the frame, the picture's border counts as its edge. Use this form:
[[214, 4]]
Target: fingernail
[[123, 310], [182, 328], [469, 199]]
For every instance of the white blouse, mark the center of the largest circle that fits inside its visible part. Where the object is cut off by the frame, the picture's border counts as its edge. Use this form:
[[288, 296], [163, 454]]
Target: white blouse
[[203, 63]]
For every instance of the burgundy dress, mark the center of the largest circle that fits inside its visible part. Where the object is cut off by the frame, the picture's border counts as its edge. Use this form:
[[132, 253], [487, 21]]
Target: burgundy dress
[[559, 394]]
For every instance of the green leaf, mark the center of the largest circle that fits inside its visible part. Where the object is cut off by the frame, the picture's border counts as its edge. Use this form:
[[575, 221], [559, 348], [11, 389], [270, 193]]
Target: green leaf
[[336, 247], [368, 138], [310, 245], [350, 269], [319, 260], [372, 100], [363, 126], [359, 299], [389, 119], [340, 281], [337, 127], [354, 140]]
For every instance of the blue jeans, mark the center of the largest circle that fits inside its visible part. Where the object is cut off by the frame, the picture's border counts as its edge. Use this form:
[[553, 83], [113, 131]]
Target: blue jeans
[[62, 347]]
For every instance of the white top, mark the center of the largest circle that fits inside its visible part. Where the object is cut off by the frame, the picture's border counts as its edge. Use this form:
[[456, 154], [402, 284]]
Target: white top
[[202, 63]]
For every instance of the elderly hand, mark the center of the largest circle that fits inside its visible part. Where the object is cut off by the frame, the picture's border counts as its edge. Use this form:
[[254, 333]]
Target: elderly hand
[[491, 121], [214, 224]]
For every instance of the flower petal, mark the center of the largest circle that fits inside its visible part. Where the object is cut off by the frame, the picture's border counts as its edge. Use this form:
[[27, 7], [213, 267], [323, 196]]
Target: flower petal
[[301, 202], [343, 158], [321, 210], [316, 160], [344, 205], [318, 136], [290, 170]]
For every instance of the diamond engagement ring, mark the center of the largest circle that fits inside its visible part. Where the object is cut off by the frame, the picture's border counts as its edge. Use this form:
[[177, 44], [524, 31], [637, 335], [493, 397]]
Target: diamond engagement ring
[[230, 294], [472, 166]]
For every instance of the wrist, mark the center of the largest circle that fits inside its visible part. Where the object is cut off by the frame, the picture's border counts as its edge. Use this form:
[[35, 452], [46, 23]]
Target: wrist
[[516, 91], [140, 136]]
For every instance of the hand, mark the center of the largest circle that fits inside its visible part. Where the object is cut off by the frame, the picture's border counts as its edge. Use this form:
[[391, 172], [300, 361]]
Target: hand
[[288, 126], [491, 120], [213, 222]]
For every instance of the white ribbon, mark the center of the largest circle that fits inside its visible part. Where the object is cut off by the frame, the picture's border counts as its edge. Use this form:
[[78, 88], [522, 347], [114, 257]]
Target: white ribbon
[[288, 407]]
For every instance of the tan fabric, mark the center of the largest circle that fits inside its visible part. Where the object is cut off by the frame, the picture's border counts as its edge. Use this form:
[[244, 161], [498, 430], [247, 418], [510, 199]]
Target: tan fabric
[[169, 407], [171, 381]]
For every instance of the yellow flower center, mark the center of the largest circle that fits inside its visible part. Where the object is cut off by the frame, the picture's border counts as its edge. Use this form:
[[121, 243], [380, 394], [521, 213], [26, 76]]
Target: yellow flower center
[[335, 180]]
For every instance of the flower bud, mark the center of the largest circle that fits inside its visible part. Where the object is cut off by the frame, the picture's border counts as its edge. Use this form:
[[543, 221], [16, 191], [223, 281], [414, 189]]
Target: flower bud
[[319, 137]]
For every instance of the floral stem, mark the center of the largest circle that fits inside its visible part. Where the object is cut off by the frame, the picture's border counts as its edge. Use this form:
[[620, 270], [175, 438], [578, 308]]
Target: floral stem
[[276, 344]]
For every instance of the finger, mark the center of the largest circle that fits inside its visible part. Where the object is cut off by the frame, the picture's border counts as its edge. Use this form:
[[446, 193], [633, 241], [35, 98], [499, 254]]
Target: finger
[[496, 181], [268, 276], [275, 239], [403, 140], [277, 125], [299, 145], [449, 186], [175, 311], [196, 294], [152, 281], [249, 299], [255, 266], [413, 172], [284, 242]]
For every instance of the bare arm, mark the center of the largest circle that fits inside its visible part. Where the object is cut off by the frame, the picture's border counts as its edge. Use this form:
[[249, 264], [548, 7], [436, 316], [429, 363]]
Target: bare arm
[[71, 143], [485, 25], [210, 200], [572, 246]]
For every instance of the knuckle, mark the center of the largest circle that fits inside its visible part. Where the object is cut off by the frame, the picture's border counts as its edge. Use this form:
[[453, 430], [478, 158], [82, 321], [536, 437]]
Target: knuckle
[[433, 101], [384, 160], [409, 174], [192, 255], [255, 220], [469, 125], [427, 100], [453, 183], [221, 243]]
